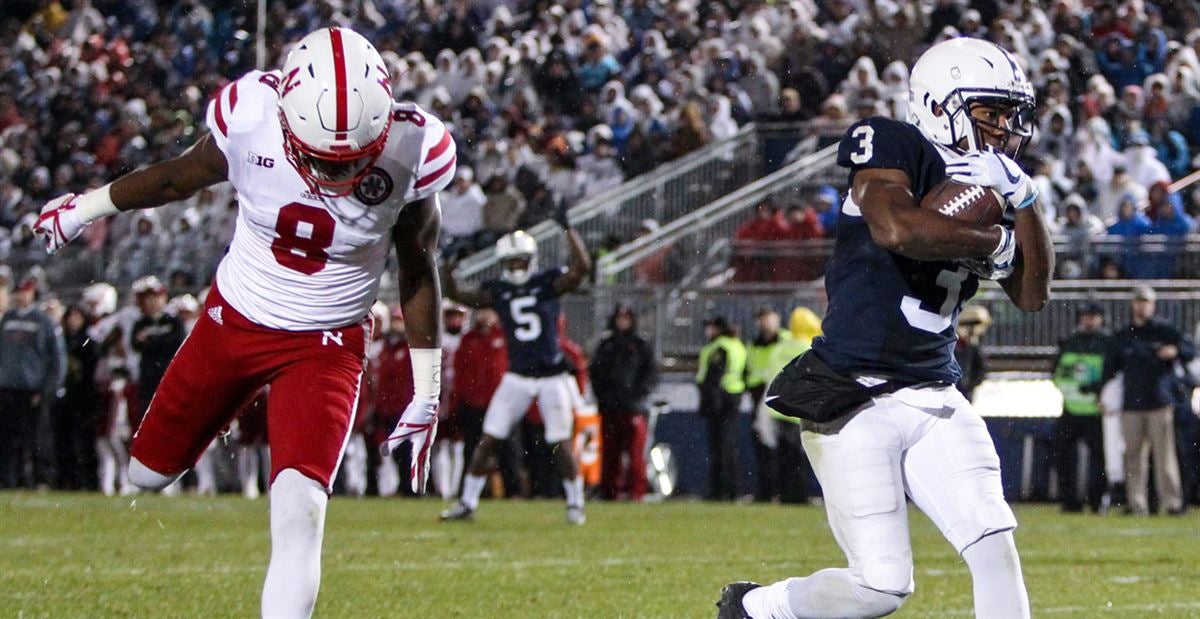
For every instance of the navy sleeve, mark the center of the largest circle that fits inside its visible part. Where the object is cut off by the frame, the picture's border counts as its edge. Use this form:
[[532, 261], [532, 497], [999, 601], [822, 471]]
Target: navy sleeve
[[882, 143], [543, 283]]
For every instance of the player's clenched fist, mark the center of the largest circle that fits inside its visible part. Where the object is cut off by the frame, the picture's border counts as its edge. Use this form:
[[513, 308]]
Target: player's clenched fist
[[64, 217], [419, 425]]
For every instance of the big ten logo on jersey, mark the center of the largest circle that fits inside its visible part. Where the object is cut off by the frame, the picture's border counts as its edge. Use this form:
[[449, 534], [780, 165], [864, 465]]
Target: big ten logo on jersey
[[254, 158]]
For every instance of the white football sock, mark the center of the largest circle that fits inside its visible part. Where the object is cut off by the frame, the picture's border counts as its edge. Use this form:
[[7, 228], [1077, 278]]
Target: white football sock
[[996, 574], [472, 488], [387, 477], [146, 479], [247, 466], [354, 465], [574, 491], [442, 469], [106, 469], [827, 594], [297, 528], [206, 476]]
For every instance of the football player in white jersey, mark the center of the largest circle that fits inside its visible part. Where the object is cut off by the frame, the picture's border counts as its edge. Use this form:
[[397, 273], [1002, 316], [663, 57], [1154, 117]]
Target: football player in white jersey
[[329, 172]]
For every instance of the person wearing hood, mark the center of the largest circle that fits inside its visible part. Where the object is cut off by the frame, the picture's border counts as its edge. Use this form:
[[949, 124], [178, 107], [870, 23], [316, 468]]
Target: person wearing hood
[[794, 472], [893, 89], [761, 86], [1119, 187], [1141, 160], [721, 124], [758, 375], [721, 380], [1058, 139], [1170, 147], [623, 371], [862, 83]]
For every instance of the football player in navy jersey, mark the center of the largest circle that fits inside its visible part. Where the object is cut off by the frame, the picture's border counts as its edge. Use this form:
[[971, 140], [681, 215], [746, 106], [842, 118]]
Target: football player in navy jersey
[[527, 301], [896, 283]]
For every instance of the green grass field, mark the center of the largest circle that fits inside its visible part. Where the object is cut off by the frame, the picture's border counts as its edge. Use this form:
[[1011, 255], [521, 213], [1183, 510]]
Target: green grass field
[[89, 556]]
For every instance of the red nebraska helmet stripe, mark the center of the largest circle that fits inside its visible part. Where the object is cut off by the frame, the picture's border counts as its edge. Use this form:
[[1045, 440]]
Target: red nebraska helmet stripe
[[339, 77], [433, 176], [440, 148]]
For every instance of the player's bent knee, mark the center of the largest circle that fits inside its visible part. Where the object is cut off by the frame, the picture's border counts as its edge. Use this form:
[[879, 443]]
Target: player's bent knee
[[297, 502], [892, 578], [146, 479], [992, 515]]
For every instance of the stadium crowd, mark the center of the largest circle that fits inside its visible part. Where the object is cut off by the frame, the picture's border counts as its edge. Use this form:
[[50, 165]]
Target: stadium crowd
[[554, 101]]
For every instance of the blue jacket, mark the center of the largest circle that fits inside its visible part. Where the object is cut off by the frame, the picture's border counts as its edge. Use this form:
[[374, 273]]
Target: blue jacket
[[1149, 381], [1134, 226], [33, 356]]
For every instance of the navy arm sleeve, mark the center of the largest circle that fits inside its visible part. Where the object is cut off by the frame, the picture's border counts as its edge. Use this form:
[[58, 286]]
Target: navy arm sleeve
[[890, 144]]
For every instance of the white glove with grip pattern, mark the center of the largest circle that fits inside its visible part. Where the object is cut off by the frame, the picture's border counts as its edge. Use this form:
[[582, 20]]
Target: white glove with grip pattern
[[995, 169], [418, 424], [59, 223], [999, 265]]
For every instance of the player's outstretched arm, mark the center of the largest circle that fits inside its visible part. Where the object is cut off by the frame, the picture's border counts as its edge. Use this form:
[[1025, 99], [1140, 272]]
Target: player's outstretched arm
[[578, 268], [899, 225], [415, 236], [1029, 284], [471, 298], [202, 165]]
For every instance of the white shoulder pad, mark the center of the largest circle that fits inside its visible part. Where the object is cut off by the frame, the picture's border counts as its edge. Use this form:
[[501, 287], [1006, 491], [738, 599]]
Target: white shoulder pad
[[242, 105], [424, 145]]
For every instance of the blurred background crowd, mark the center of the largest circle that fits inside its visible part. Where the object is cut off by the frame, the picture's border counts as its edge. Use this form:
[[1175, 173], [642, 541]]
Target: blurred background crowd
[[548, 102], [554, 101]]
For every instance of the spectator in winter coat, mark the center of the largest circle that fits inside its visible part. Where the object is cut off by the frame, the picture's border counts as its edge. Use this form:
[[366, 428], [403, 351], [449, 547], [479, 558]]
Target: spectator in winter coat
[[75, 412], [479, 364], [32, 365], [1085, 362], [393, 390], [623, 372], [1149, 349], [156, 337]]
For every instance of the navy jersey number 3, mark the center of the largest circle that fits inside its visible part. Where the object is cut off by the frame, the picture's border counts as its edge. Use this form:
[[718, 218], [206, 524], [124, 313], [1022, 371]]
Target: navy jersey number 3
[[889, 314]]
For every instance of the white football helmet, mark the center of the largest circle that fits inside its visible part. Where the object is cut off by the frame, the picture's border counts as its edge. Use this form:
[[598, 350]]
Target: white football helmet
[[951, 76], [335, 106], [99, 299], [518, 256]]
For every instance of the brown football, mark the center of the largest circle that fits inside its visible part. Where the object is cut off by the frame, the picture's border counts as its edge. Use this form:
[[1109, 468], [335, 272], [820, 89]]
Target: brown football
[[971, 203]]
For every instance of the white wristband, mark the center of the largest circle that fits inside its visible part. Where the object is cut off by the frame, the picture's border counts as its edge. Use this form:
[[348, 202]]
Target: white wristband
[[95, 204], [427, 373]]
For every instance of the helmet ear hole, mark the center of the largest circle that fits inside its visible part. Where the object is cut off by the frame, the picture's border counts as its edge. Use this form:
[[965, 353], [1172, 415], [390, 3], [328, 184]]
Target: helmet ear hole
[[936, 109]]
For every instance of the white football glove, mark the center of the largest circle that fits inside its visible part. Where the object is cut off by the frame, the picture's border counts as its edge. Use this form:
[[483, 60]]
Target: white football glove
[[999, 265], [995, 169], [59, 223], [418, 424]]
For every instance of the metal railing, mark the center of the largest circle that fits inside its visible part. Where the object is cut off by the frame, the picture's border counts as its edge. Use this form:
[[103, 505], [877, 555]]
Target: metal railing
[[675, 325], [1143, 257], [694, 233], [664, 194]]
